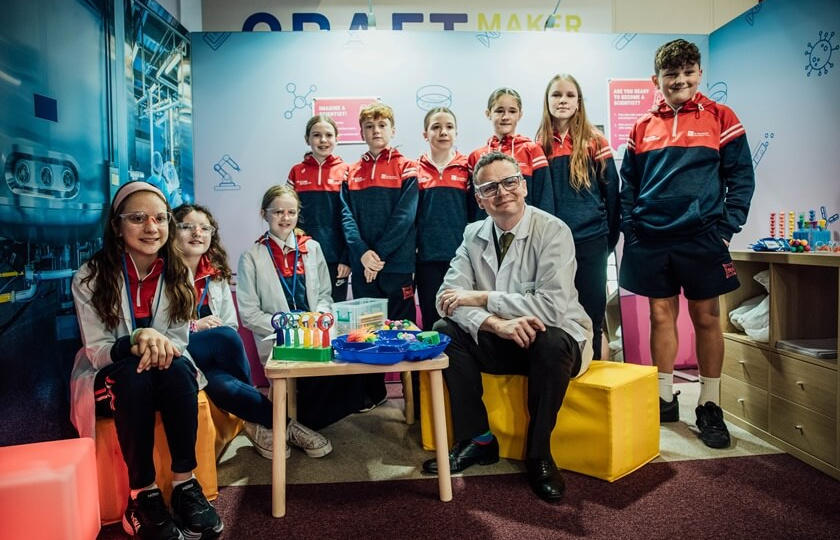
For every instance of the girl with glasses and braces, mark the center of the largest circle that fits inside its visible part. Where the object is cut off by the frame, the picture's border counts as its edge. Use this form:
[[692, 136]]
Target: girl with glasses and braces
[[134, 304]]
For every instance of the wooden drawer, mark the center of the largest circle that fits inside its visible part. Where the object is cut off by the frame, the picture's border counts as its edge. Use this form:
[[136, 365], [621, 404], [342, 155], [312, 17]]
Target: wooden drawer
[[747, 402], [805, 384], [746, 363], [813, 433]]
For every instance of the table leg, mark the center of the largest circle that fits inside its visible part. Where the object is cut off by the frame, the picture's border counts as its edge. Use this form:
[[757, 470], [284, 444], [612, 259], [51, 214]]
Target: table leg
[[441, 443], [408, 397], [291, 392], [278, 454]]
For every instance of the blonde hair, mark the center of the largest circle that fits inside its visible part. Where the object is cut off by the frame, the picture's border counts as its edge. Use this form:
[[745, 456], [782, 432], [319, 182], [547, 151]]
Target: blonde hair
[[278, 190], [375, 111], [581, 131]]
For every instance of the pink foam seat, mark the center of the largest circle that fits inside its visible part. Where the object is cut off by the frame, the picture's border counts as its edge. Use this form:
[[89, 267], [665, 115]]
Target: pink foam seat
[[49, 490]]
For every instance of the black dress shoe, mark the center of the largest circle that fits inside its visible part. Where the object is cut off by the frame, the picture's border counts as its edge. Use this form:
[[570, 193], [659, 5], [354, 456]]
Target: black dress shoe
[[465, 454], [545, 479]]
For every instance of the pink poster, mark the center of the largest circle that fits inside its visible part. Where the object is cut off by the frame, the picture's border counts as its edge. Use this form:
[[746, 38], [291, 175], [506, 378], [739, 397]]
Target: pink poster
[[629, 99], [345, 113]]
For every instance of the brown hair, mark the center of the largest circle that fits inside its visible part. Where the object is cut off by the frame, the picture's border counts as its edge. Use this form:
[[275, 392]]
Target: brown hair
[[317, 119], [581, 131], [676, 54], [216, 252], [106, 273], [375, 111], [504, 91], [434, 111]]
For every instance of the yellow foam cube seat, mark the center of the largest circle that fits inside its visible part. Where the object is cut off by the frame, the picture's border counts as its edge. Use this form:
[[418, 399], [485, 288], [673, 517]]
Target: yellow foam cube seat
[[607, 428], [216, 428], [49, 490]]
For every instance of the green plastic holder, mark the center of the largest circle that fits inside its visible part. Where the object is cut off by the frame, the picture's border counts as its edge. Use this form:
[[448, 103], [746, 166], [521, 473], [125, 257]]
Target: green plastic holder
[[301, 354]]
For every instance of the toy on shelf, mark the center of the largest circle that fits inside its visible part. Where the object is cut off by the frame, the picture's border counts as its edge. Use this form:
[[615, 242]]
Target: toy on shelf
[[803, 235], [302, 336], [362, 335]]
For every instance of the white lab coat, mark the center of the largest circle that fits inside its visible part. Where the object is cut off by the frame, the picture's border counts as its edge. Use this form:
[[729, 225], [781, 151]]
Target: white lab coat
[[260, 295], [537, 278], [97, 341], [221, 302]]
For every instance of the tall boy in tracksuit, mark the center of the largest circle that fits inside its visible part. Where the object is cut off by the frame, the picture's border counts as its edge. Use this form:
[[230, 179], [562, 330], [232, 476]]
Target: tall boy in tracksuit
[[688, 181], [379, 202]]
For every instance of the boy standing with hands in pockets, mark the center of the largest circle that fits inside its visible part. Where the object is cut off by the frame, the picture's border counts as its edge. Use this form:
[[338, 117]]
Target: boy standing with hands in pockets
[[688, 181]]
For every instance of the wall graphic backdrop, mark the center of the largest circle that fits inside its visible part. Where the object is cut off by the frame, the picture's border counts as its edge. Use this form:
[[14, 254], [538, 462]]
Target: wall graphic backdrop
[[242, 103], [73, 127], [77, 119]]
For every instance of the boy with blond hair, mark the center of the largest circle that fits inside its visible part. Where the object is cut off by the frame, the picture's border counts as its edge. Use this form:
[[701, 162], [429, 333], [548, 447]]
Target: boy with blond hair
[[379, 206]]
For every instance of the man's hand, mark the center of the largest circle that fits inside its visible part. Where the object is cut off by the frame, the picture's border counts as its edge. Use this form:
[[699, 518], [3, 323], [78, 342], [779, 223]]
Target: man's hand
[[522, 330], [154, 349], [451, 299], [371, 261], [370, 275]]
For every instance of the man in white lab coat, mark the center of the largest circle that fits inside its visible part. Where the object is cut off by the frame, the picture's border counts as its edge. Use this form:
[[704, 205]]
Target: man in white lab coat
[[510, 306]]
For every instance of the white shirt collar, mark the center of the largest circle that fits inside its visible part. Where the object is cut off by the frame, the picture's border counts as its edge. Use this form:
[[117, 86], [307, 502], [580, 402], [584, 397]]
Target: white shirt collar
[[289, 242]]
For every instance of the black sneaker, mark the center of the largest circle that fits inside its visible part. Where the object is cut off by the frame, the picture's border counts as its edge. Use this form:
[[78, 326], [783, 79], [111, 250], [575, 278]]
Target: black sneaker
[[196, 517], [713, 431], [148, 519], [669, 411]]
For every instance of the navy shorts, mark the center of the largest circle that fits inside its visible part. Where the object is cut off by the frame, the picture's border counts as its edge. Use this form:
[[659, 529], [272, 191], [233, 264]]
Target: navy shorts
[[659, 268]]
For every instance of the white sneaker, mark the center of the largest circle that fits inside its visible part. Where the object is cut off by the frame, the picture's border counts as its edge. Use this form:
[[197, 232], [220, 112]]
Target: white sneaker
[[313, 443], [261, 438]]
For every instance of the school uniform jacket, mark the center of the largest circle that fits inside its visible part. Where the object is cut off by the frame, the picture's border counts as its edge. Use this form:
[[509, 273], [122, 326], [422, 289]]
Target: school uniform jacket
[[260, 295], [590, 213], [532, 162], [97, 342], [319, 187], [442, 209], [536, 278], [379, 206], [687, 172]]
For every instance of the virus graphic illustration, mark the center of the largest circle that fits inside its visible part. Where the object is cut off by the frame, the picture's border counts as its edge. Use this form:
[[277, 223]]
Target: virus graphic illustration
[[819, 55]]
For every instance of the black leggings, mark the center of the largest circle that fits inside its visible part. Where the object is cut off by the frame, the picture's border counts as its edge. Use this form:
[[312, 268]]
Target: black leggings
[[132, 398]]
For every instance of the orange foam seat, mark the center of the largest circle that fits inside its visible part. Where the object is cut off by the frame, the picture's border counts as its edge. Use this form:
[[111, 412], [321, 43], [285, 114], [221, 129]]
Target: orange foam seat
[[216, 428]]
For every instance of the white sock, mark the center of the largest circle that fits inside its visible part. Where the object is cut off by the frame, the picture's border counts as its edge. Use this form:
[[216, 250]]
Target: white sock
[[709, 390], [176, 483], [666, 386], [135, 492]]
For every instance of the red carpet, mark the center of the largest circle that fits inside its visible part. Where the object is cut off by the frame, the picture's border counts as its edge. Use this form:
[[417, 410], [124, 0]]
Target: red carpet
[[761, 497]]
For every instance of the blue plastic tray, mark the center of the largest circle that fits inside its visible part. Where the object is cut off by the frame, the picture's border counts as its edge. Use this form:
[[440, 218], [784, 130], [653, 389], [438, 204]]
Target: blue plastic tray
[[389, 349]]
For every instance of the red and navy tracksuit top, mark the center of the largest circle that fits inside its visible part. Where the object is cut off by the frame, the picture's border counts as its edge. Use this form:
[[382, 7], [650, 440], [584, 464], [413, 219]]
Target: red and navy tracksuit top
[[532, 162], [443, 210], [686, 172], [590, 213], [379, 206], [319, 187]]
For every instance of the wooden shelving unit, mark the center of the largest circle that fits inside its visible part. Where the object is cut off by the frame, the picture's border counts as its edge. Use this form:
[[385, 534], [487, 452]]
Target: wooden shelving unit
[[786, 398]]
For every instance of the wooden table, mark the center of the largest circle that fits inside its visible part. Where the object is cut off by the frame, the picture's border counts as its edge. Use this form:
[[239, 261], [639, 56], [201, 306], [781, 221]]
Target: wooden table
[[281, 372]]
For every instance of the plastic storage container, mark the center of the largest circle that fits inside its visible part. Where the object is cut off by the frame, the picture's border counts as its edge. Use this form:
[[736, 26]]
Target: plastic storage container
[[358, 313]]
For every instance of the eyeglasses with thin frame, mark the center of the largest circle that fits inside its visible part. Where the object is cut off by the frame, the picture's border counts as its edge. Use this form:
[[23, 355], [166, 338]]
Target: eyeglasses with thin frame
[[139, 219], [203, 228], [488, 190], [279, 212]]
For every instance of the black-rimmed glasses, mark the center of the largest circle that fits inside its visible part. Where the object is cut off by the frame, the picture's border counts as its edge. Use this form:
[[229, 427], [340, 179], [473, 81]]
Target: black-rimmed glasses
[[489, 190]]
